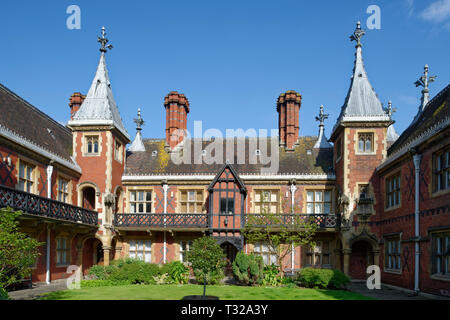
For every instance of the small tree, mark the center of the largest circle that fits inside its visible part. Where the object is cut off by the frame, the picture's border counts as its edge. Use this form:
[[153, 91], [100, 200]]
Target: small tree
[[248, 269], [18, 252], [280, 232], [206, 257]]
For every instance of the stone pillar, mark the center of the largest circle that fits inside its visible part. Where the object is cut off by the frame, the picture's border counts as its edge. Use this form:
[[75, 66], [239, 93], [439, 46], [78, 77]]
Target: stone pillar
[[106, 255], [347, 253], [337, 259], [376, 257]]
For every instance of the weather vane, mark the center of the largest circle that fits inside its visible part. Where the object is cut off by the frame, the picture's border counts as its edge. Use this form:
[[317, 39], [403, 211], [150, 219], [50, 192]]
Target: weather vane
[[139, 121], [358, 34], [322, 116], [104, 42]]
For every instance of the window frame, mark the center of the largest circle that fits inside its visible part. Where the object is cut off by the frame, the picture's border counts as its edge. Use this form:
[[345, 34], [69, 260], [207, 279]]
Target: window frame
[[318, 252], [94, 138], [259, 249], [393, 254], [367, 136], [393, 190], [63, 250], [183, 251], [118, 151], [197, 203], [442, 173], [65, 192], [440, 256], [29, 182], [262, 193], [322, 202], [138, 202], [146, 249]]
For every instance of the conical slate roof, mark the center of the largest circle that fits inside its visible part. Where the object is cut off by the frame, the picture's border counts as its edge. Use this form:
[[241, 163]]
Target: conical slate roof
[[99, 107], [361, 103]]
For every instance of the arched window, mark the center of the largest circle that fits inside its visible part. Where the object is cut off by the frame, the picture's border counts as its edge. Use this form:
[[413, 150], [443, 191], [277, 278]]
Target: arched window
[[365, 142]]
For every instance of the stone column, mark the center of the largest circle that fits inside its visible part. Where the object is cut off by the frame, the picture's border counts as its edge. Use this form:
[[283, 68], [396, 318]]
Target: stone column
[[347, 253], [376, 257], [106, 255], [337, 259]]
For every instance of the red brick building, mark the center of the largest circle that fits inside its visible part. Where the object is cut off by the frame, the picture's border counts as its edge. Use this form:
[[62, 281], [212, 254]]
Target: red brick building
[[378, 198]]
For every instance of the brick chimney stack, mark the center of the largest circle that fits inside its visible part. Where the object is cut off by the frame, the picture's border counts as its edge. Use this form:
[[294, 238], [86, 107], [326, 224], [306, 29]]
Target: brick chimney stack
[[76, 100], [177, 109], [288, 107]]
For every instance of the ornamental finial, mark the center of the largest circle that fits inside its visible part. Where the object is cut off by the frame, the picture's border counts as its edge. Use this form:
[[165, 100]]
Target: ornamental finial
[[139, 121], [425, 81], [390, 110], [358, 34], [322, 116], [104, 42]]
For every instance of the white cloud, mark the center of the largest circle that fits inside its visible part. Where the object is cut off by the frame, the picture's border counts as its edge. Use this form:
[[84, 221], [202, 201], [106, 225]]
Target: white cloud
[[437, 12]]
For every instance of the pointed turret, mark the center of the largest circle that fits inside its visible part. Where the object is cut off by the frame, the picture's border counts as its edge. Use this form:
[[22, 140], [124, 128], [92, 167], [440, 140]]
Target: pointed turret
[[392, 135], [361, 103], [322, 142], [99, 106], [138, 144]]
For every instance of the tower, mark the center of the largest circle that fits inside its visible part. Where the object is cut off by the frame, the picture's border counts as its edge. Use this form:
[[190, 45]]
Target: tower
[[99, 140], [360, 145]]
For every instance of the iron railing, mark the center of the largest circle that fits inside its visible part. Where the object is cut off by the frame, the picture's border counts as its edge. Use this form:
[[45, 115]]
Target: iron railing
[[161, 220], [31, 204]]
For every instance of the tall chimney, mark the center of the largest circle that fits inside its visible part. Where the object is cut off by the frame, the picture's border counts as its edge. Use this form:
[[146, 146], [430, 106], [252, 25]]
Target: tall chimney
[[177, 108], [76, 100], [288, 107]]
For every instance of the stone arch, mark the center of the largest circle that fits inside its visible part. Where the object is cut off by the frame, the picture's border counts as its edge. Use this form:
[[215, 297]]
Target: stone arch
[[81, 189], [119, 194], [364, 251], [85, 249]]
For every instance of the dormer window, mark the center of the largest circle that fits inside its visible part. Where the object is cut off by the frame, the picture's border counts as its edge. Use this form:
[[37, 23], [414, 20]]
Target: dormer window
[[365, 142], [92, 145]]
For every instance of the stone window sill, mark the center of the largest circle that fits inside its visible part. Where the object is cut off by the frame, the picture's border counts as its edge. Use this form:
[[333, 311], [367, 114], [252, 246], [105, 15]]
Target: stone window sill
[[440, 277]]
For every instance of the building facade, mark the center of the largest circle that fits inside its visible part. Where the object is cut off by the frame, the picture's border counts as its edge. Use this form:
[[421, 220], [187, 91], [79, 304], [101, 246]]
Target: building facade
[[378, 198]]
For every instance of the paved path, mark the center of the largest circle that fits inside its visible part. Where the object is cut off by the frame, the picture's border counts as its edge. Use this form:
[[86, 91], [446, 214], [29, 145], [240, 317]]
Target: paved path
[[387, 293], [37, 291]]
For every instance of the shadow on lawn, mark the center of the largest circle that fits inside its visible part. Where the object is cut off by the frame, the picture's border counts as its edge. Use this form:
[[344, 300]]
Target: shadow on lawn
[[57, 295]]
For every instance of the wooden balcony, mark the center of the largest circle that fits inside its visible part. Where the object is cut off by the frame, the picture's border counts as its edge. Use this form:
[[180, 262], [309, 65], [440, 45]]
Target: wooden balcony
[[219, 221], [36, 206]]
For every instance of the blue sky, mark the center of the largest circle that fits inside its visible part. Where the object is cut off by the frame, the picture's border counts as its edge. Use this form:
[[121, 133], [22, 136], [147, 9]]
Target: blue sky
[[231, 59]]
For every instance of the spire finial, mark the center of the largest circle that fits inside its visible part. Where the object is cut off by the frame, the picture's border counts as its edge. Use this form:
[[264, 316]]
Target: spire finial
[[358, 34], [390, 110], [322, 116], [104, 42], [425, 81], [139, 121]]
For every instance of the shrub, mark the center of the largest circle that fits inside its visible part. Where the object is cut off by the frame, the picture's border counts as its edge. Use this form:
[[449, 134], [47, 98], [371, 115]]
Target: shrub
[[272, 276], [322, 278], [135, 272], [102, 272], [248, 269], [212, 277], [178, 272], [162, 279], [3, 294]]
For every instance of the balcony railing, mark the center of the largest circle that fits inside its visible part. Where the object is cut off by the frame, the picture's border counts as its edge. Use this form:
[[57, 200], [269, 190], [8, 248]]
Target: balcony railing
[[216, 221], [34, 205], [161, 220]]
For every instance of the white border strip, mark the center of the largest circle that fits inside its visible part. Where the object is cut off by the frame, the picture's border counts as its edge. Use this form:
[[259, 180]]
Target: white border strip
[[143, 178], [11, 135]]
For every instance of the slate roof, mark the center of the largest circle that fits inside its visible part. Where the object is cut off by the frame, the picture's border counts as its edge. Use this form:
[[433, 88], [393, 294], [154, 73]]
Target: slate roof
[[155, 160], [436, 111], [99, 107], [31, 124]]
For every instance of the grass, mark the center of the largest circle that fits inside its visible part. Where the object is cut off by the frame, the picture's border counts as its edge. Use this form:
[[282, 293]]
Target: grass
[[176, 292]]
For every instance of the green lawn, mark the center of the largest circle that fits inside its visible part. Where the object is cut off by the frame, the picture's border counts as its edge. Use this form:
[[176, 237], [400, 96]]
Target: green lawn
[[176, 292]]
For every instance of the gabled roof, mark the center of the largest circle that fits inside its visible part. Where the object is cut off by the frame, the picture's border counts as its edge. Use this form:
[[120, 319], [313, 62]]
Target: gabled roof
[[436, 114], [99, 107], [235, 175], [25, 124]]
